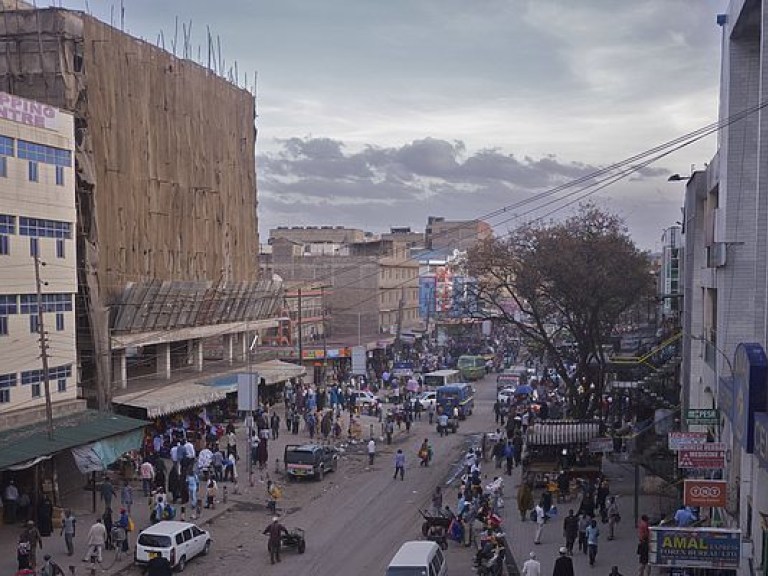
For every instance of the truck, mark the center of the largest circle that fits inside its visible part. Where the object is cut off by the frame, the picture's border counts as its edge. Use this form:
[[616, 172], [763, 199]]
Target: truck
[[461, 396], [309, 460], [553, 446]]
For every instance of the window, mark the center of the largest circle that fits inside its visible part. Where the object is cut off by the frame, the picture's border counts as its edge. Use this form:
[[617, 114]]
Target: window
[[34, 172], [44, 154], [36, 391], [5, 245], [6, 146], [59, 321], [62, 384], [5, 396], [8, 305], [34, 324], [59, 176], [38, 227], [51, 303], [3, 167], [36, 376], [3, 325], [34, 247], [60, 248], [7, 224]]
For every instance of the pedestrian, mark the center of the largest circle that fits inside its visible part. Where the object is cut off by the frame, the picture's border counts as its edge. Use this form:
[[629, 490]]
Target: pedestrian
[[644, 529], [399, 464], [147, 471], [643, 550], [23, 548], [125, 524], [97, 539], [107, 492], [45, 517], [424, 453], [541, 517], [274, 494], [431, 413], [437, 500], [275, 531], [509, 455], [584, 522], [570, 531], [564, 564], [371, 451], [531, 567], [68, 523], [274, 424], [593, 533], [126, 496], [524, 500], [615, 571], [10, 502], [32, 536], [613, 516], [50, 568], [211, 492]]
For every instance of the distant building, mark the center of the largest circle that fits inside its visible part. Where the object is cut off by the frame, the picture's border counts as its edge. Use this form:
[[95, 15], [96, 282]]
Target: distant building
[[670, 273], [414, 240], [457, 234]]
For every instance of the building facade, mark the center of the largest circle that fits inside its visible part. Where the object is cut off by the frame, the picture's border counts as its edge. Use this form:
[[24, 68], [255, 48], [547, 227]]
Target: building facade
[[37, 222]]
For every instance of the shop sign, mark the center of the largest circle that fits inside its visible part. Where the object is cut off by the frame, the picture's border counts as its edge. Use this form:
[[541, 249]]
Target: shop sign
[[696, 547], [27, 112], [761, 439], [709, 456], [676, 440], [359, 360], [601, 445], [705, 493], [702, 416], [750, 367]]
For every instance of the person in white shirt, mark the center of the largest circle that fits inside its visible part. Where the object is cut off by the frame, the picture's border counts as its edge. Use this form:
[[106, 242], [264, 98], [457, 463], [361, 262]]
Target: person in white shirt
[[532, 567], [541, 517], [371, 451], [147, 471], [189, 450], [204, 458]]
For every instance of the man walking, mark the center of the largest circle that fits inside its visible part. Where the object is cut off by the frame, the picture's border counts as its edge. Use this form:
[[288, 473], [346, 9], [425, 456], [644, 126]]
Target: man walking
[[10, 502], [399, 464], [593, 533], [107, 492], [274, 423], [541, 517], [532, 567], [643, 553], [147, 476], [371, 451], [68, 531], [275, 531], [97, 538], [564, 564], [570, 531]]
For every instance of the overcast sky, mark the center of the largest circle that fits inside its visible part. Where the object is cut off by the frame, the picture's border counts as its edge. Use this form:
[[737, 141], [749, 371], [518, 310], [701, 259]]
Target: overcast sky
[[378, 113]]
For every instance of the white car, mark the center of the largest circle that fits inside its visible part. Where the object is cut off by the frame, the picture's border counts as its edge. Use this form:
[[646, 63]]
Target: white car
[[364, 397], [426, 399], [506, 394], [178, 542]]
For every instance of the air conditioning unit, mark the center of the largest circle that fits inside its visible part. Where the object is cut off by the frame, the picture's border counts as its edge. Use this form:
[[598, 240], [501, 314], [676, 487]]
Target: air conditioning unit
[[716, 255]]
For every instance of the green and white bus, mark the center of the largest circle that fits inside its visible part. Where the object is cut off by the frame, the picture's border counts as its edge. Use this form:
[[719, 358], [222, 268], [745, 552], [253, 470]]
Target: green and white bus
[[441, 378], [471, 367]]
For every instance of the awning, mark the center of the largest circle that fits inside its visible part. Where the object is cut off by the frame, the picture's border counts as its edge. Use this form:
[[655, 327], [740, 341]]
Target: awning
[[275, 371], [24, 447], [171, 398]]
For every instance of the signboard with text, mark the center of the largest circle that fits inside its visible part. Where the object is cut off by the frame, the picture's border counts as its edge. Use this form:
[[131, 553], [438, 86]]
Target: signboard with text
[[702, 416], [676, 440], [27, 112], [359, 360], [705, 493], [695, 547], [761, 439], [709, 456], [601, 444]]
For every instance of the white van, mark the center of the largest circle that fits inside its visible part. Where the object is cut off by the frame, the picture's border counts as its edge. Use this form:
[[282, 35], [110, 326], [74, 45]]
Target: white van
[[179, 542], [418, 558]]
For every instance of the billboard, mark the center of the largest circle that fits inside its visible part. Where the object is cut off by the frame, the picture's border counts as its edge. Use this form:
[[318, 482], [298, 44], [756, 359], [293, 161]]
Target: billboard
[[705, 493], [709, 456], [427, 296], [677, 440], [695, 547]]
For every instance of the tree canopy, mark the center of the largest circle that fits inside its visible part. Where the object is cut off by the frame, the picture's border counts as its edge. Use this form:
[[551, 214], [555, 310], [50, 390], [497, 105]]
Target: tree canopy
[[575, 277]]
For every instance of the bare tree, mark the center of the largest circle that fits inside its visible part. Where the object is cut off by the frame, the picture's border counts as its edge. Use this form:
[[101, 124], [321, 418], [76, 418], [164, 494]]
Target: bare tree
[[571, 278]]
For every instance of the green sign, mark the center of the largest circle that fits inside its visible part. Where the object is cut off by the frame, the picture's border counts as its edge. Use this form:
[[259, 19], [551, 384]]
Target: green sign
[[702, 416]]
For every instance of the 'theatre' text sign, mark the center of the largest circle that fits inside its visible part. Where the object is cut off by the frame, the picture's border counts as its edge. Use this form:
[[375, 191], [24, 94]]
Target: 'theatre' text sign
[[708, 456]]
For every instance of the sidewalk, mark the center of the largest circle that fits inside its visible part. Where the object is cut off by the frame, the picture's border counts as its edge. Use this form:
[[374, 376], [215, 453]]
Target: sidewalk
[[621, 552]]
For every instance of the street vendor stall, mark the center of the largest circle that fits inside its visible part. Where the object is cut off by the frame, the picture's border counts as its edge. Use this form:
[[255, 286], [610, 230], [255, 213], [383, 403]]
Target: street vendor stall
[[553, 446]]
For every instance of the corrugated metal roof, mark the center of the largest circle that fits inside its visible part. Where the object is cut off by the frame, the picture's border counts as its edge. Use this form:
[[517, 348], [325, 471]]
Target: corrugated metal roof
[[22, 444]]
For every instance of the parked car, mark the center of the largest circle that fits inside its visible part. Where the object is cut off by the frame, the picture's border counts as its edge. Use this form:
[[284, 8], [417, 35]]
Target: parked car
[[506, 394], [364, 397], [178, 542], [426, 399], [309, 460]]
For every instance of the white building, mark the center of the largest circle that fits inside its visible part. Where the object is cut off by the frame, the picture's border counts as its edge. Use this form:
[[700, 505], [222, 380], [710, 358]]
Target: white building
[[725, 310], [37, 219]]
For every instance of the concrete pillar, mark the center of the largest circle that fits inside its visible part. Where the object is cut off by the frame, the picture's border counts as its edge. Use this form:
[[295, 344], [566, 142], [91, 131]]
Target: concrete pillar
[[241, 348], [164, 360], [197, 354], [119, 369], [229, 347]]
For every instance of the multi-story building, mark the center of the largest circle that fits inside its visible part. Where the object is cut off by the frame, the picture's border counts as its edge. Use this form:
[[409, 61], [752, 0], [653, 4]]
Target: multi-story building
[[37, 222], [725, 310], [670, 273], [461, 235]]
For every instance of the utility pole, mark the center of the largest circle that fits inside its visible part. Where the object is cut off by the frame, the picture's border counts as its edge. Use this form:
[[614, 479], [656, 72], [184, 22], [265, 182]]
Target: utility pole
[[325, 339], [43, 349], [301, 341]]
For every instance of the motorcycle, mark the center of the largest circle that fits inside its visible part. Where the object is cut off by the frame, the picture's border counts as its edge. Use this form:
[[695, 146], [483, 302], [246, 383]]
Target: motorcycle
[[493, 565]]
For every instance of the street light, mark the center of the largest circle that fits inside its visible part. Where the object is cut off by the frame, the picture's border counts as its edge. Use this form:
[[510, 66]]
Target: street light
[[678, 178]]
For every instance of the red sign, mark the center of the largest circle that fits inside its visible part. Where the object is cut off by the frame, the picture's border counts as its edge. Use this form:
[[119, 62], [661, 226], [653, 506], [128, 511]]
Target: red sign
[[705, 493], [708, 456]]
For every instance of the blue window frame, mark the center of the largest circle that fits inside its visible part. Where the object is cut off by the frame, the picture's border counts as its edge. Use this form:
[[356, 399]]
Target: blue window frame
[[6, 146], [59, 176], [34, 247], [59, 321], [60, 248], [34, 172], [3, 167], [5, 245], [7, 224], [51, 303], [7, 381], [55, 373], [44, 228], [8, 304], [44, 154]]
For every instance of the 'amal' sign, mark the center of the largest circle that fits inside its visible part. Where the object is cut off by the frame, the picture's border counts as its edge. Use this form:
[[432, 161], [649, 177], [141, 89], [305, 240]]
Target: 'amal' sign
[[27, 112], [695, 547]]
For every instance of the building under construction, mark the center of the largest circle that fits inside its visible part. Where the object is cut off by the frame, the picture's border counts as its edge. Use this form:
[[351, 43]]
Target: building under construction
[[166, 200]]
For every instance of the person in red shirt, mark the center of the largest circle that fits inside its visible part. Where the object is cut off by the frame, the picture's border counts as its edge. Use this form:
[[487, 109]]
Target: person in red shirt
[[644, 529]]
